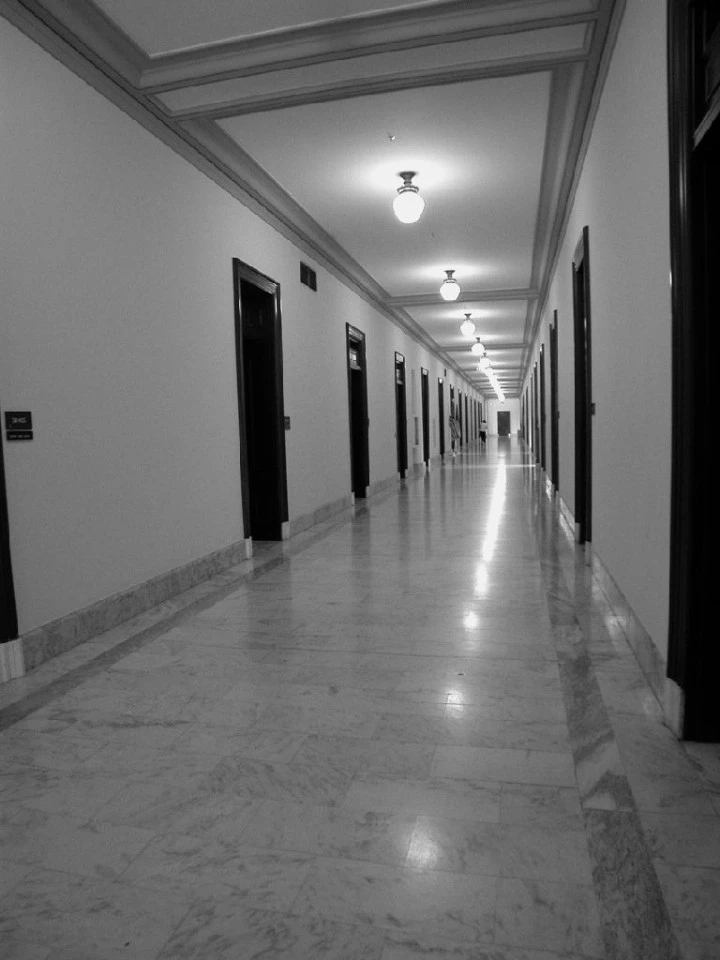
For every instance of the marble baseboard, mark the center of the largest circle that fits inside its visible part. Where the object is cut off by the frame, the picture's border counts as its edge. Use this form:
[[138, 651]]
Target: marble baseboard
[[12, 662], [67, 632], [566, 515], [307, 520], [649, 657], [389, 483]]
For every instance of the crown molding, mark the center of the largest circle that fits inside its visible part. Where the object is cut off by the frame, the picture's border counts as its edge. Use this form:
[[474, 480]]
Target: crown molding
[[338, 40], [595, 74], [388, 83]]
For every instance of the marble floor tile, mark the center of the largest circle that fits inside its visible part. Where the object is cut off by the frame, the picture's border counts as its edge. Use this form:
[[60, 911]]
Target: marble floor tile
[[379, 837], [225, 930], [376, 741], [551, 916], [61, 843], [512, 766], [200, 867], [87, 917], [500, 849], [463, 799], [442, 904]]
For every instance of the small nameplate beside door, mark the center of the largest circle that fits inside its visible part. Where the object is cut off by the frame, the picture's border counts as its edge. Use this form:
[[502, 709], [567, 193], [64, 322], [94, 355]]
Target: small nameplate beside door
[[18, 425]]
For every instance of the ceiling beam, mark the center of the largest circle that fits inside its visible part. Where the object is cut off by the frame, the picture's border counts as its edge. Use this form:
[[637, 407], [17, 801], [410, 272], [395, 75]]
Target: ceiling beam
[[372, 86]]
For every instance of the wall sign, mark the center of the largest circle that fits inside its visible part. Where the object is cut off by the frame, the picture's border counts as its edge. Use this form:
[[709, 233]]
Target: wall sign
[[18, 425]]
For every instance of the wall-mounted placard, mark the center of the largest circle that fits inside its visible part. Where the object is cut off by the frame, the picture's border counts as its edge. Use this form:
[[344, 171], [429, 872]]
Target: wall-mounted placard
[[18, 425]]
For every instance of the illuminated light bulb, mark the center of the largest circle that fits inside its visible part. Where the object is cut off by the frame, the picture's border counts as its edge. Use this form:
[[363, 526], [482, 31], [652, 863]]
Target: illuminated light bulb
[[484, 365], [478, 347], [450, 289], [408, 204], [467, 327]]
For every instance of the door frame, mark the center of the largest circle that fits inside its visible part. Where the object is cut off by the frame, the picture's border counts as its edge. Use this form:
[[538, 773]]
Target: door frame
[[693, 658], [425, 412], [8, 607], [582, 317], [554, 411], [543, 440], [401, 416], [352, 334], [243, 272], [441, 415]]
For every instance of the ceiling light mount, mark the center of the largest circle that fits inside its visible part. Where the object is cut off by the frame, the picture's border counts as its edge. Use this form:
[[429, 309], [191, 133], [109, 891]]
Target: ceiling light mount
[[450, 288], [408, 204]]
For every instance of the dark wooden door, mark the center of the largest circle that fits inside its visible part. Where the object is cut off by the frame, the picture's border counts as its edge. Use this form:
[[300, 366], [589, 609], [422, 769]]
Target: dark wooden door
[[357, 400], [503, 423], [536, 408], [8, 611], [554, 411], [583, 389], [258, 345], [694, 102], [441, 415], [425, 408], [401, 415], [543, 442]]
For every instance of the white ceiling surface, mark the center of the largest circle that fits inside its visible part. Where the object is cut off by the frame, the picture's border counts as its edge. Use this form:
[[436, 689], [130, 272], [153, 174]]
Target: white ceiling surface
[[480, 183], [485, 99]]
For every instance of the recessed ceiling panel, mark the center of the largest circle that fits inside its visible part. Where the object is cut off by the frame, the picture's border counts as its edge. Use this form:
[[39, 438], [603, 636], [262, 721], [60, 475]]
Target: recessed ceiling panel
[[478, 152]]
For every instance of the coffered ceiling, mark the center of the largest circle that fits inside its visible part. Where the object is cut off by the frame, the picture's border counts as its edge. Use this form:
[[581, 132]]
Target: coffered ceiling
[[309, 110]]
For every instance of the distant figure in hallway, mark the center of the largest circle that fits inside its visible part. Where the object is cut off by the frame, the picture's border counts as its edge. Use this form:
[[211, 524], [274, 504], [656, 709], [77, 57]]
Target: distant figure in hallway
[[483, 432], [454, 429]]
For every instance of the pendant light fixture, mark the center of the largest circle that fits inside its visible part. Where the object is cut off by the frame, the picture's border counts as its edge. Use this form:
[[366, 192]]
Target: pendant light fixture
[[450, 288], [467, 327], [484, 365], [478, 347], [408, 204]]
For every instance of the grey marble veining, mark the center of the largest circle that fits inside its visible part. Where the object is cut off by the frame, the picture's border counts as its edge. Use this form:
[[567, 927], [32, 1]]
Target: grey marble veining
[[408, 732]]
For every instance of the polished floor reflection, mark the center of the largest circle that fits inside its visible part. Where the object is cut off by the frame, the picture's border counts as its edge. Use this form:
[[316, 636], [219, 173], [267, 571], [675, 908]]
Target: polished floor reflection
[[415, 733]]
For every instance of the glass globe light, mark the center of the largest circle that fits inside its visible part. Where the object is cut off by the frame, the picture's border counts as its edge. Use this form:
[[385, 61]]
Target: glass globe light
[[484, 365], [408, 204], [450, 288], [467, 327], [478, 347]]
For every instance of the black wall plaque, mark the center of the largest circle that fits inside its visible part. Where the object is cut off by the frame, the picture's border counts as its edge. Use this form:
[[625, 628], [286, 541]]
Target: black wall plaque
[[18, 425]]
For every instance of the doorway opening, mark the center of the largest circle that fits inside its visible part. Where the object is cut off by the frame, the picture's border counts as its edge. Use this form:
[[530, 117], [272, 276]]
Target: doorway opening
[[425, 409], [357, 399], [536, 408], [583, 389], [694, 112], [503, 423], [441, 414], [8, 610], [554, 412], [543, 441], [460, 418], [258, 354], [401, 415]]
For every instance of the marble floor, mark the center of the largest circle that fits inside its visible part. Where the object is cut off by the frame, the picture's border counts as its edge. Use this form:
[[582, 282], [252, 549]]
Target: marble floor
[[415, 732]]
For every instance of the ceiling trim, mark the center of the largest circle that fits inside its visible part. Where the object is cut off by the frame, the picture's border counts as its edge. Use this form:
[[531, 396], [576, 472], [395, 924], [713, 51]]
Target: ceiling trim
[[277, 209], [490, 347], [283, 51], [466, 296], [596, 71], [388, 83]]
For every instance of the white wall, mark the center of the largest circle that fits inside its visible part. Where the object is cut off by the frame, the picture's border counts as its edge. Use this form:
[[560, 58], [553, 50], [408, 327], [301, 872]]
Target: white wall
[[623, 197], [117, 333]]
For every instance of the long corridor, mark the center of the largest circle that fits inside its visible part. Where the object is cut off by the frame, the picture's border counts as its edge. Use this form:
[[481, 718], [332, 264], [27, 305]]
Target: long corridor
[[415, 732]]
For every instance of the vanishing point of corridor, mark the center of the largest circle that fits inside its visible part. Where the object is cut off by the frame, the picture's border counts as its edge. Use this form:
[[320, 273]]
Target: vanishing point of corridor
[[418, 732]]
